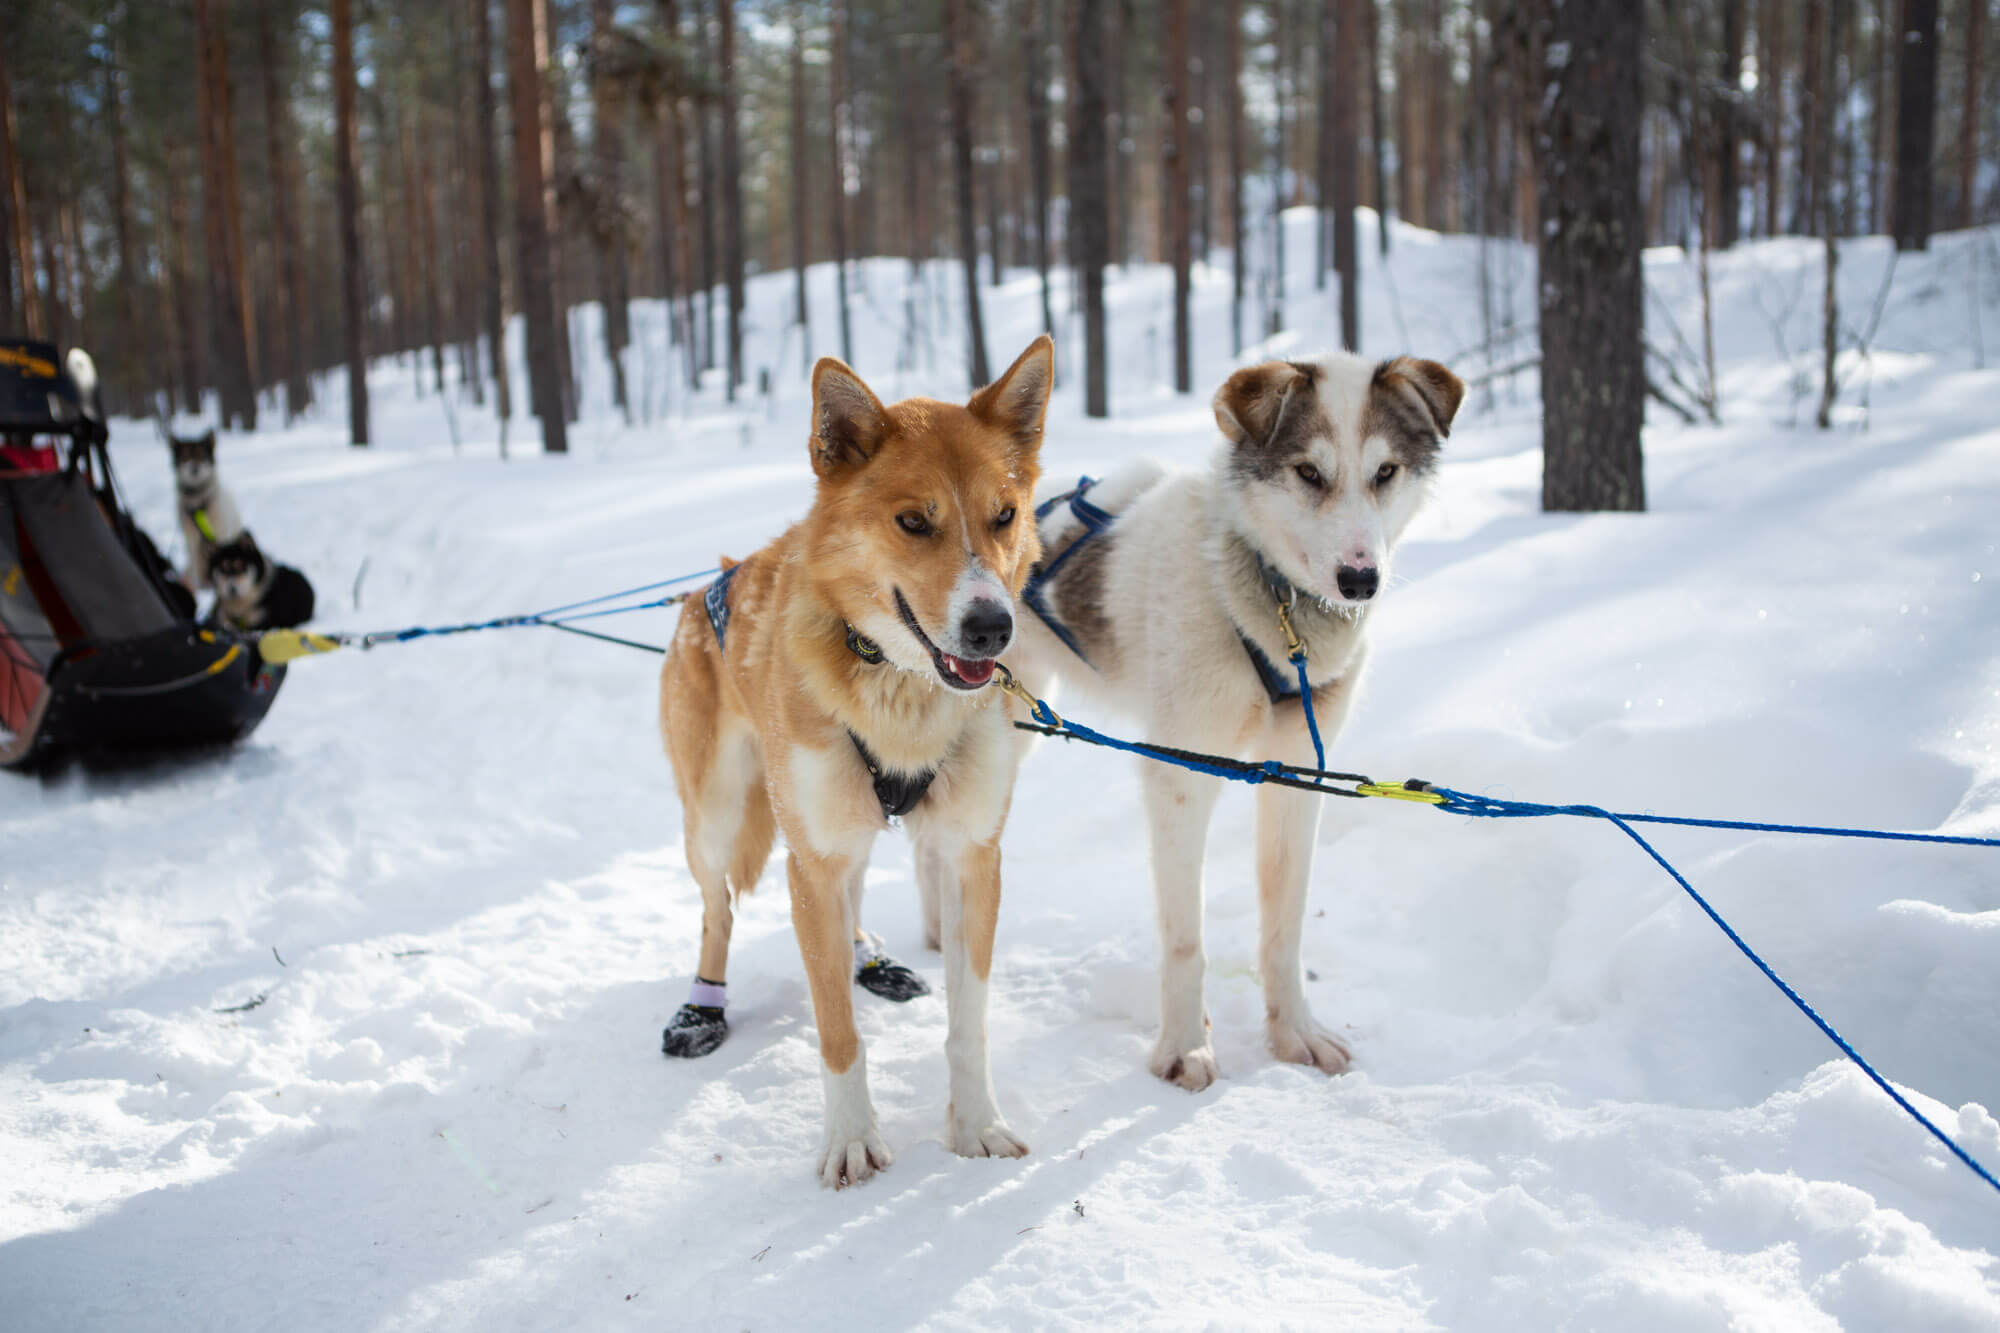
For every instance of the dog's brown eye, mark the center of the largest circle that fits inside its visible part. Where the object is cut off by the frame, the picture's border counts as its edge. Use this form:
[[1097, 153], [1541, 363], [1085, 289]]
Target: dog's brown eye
[[1386, 474], [913, 522], [1004, 517], [1309, 475]]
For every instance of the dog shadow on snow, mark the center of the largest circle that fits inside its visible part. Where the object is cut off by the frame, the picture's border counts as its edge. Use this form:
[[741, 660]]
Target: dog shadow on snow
[[517, 1185]]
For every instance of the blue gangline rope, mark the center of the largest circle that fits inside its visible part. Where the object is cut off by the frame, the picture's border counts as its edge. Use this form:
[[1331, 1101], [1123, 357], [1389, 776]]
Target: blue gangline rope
[[1486, 807], [1797, 1000], [554, 617], [1482, 807]]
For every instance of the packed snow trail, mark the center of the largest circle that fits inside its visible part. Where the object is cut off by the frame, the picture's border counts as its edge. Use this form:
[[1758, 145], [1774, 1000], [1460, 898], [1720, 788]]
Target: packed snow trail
[[452, 870]]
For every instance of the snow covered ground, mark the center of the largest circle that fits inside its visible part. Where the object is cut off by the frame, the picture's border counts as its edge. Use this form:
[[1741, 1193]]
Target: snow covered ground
[[451, 868]]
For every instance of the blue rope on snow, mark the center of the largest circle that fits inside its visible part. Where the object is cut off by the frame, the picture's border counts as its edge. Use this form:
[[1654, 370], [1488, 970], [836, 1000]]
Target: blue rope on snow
[[1480, 807], [1483, 807]]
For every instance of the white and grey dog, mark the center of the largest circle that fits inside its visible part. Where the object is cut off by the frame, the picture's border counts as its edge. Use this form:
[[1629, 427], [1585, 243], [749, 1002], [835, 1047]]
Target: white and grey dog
[[208, 516], [1158, 594]]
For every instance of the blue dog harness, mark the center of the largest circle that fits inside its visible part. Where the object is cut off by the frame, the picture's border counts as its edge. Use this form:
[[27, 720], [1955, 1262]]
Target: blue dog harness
[[896, 793], [1278, 687]]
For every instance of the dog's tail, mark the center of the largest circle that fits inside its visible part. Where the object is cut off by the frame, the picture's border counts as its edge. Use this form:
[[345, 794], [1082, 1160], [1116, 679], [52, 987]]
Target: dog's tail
[[753, 840]]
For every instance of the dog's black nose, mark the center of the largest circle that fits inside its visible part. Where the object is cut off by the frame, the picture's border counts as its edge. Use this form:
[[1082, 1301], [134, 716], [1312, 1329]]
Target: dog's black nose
[[1357, 584], [986, 630]]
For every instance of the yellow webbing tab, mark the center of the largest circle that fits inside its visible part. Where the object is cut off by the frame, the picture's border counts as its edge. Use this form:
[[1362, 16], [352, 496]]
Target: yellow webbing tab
[[221, 663], [279, 646], [203, 526], [1397, 791]]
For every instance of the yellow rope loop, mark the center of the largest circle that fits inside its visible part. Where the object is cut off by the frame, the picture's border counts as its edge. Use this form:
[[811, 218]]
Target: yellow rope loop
[[1005, 680], [1399, 791], [279, 646]]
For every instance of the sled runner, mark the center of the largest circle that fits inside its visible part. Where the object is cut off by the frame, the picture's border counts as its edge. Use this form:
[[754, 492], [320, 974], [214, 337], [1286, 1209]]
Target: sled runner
[[99, 649]]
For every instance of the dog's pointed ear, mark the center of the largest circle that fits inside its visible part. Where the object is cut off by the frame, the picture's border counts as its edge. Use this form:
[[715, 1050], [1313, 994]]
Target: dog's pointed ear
[[1255, 401], [849, 421], [1018, 401], [207, 438], [1423, 385]]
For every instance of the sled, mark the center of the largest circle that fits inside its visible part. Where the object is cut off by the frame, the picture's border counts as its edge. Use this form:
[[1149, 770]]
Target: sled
[[99, 648]]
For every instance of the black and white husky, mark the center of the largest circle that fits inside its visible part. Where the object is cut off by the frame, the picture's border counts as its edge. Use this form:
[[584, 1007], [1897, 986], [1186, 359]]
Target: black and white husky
[[208, 516], [1159, 594], [253, 592]]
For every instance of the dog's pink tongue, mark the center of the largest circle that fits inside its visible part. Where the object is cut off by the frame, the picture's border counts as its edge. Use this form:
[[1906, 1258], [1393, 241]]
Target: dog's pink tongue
[[972, 673]]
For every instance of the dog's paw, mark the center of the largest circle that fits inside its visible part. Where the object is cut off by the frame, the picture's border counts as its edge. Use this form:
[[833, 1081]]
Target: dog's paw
[[884, 976], [1307, 1043], [845, 1160], [984, 1136], [696, 1030], [1193, 1069]]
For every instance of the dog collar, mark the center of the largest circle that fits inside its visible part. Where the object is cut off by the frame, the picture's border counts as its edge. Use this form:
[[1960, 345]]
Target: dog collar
[[863, 647]]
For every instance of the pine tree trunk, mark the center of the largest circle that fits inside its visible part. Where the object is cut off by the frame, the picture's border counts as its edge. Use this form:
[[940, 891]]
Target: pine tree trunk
[[608, 229], [1348, 46], [527, 58], [732, 193], [1916, 113], [1122, 187], [1232, 92], [20, 238], [1179, 243], [1440, 200], [423, 198], [287, 335], [1823, 92], [1726, 205], [837, 123], [131, 349], [1593, 361], [1378, 125], [801, 182], [1968, 124], [1811, 180], [1770, 88], [1089, 189], [670, 206], [348, 205], [958, 40], [1034, 49], [558, 164], [705, 154], [493, 309], [222, 219], [462, 186], [1323, 149], [1280, 191]]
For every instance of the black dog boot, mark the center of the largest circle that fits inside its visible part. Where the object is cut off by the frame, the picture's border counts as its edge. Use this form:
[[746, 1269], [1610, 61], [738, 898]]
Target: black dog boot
[[882, 975], [699, 1026]]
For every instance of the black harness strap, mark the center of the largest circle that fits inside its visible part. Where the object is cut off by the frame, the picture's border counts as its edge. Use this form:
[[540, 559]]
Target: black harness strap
[[898, 793], [1278, 686], [1095, 521]]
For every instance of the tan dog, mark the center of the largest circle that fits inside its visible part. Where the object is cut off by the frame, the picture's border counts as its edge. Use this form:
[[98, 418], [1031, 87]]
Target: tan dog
[[834, 680]]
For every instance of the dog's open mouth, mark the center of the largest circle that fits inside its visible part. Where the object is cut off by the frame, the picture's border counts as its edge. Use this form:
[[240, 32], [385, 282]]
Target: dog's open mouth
[[960, 673]]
